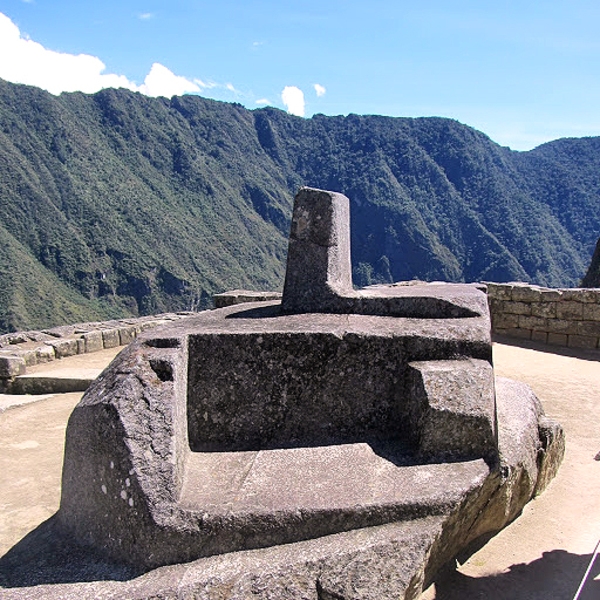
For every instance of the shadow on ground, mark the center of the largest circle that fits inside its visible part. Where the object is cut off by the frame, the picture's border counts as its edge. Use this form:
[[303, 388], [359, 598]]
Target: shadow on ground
[[45, 556], [554, 576]]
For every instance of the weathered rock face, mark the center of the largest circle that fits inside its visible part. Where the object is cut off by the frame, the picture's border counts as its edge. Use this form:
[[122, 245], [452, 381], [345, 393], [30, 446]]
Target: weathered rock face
[[592, 277], [339, 444], [249, 428]]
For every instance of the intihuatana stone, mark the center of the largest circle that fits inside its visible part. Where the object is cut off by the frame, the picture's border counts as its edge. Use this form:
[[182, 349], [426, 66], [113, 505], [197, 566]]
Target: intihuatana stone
[[335, 444], [319, 274]]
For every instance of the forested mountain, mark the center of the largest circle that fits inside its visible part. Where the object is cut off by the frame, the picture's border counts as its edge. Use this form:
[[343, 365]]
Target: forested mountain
[[115, 203]]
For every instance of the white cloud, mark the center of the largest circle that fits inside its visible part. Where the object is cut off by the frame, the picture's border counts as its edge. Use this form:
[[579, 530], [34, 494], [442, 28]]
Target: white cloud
[[203, 84], [146, 16], [319, 89], [211, 85], [263, 101], [293, 100], [163, 82], [25, 61]]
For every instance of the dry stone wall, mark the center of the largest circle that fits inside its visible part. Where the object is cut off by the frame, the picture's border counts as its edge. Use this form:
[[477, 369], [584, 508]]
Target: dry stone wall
[[28, 348], [563, 317]]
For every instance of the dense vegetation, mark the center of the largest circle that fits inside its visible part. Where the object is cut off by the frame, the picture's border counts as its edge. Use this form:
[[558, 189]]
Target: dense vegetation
[[114, 203]]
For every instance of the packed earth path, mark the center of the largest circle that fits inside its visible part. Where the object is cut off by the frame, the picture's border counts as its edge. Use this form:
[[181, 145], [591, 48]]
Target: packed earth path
[[543, 554]]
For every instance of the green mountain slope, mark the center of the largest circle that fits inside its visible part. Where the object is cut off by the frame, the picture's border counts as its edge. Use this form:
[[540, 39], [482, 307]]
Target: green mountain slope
[[33, 296], [115, 203]]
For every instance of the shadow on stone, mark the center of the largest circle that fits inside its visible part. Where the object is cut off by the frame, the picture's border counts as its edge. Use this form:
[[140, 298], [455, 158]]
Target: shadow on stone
[[270, 311], [44, 556], [556, 575]]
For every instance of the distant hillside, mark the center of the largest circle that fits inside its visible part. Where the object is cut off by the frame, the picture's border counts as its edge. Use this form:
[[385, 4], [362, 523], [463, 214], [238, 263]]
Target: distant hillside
[[116, 203]]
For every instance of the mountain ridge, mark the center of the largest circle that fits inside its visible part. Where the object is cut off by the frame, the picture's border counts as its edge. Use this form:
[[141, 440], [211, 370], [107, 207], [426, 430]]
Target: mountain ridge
[[122, 204]]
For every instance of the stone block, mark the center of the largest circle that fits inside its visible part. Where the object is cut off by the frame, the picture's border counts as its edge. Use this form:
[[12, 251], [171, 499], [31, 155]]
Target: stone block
[[551, 453], [585, 295], [591, 312], [561, 326], [524, 334], [80, 346], [501, 331], [45, 353], [544, 309], [582, 341], [458, 418], [29, 355], [569, 310], [62, 331], [152, 323], [496, 306], [529, 322], [504, 321], [557, 339], [11, 366], [269, 399], [499, 291], [587, 328], [526, 293], [9, 339], [93, 341], [38, 336], [318, 261], [127, 335], [241, 296], [64, 347], [539, 336], [518, 308], [548, 295], [110, 338]]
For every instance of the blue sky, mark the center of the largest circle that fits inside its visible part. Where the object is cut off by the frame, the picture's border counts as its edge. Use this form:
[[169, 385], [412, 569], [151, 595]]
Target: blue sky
[[522, 72]]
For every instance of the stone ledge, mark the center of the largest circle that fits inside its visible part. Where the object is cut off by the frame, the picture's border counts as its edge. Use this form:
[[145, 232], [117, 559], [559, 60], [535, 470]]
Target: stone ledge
[[240, 296], [29, 348]]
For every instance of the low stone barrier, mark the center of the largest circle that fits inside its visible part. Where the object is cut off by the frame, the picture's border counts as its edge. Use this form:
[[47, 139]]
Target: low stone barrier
[[564, 317], [28, 348]]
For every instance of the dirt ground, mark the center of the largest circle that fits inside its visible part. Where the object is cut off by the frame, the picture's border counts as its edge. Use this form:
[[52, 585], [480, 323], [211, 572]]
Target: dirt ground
[[541, 555], [544, 553], [32, 435]]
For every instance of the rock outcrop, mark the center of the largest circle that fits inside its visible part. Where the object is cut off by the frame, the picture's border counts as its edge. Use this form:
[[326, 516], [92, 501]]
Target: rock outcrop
[[592, 277], [335, 444]]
